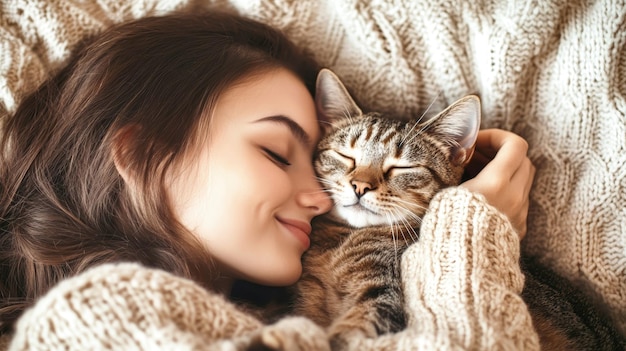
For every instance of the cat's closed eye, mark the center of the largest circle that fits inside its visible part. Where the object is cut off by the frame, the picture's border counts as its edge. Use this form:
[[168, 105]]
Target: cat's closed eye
[[419, 178], [397, 170], [337, 160]]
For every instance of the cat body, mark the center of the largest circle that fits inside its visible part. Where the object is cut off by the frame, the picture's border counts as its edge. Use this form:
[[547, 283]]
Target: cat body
[[361, 297], [382, 173], [564, 316]]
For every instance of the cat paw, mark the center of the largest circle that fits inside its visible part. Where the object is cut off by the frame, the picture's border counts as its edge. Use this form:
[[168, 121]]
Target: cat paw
[[290, 334]]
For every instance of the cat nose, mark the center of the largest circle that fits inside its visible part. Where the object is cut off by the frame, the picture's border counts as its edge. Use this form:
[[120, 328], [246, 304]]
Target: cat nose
[[360, 188]]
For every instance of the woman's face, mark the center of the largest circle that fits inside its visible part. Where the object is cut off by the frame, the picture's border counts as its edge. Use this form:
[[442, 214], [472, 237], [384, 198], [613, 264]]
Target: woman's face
[[252, 194]]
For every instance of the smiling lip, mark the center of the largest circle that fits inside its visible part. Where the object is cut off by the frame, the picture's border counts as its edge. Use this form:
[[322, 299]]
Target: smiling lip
[[301, 230]]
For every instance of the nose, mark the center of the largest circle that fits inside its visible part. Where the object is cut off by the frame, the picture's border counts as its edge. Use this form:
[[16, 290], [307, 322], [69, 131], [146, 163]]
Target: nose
[[360, 188], [316, 199]]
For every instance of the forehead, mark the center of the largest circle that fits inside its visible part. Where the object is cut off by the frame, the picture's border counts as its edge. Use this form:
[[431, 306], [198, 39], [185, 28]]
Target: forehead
[[371, 129], [274, 93]]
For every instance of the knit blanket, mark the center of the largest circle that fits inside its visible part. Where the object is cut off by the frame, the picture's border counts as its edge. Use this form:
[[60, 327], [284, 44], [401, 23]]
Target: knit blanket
[[553, 72]]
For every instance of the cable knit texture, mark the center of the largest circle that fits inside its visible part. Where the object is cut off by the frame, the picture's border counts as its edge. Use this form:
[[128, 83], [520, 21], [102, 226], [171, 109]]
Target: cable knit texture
[[129, 307], [552, 71]]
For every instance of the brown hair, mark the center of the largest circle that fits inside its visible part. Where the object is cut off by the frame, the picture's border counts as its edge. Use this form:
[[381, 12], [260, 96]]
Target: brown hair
[[64, 206]]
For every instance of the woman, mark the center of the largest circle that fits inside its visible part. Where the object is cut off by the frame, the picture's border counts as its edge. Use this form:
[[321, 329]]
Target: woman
[[184, 143]]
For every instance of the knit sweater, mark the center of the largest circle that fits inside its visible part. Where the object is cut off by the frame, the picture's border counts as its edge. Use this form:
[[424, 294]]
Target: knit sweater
[[553, 72], [461, 279]]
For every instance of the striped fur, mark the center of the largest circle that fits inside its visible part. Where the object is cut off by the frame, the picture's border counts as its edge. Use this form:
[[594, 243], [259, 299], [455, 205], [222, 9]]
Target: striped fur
[[381, 173]]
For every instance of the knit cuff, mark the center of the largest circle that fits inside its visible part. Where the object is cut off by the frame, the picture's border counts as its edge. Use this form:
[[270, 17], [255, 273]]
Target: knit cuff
[[462, 277], [127, 306]]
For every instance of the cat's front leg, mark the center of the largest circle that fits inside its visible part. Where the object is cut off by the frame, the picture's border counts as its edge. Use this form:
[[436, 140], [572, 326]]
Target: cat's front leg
[[382, 314], [288, 334], [355, 324]]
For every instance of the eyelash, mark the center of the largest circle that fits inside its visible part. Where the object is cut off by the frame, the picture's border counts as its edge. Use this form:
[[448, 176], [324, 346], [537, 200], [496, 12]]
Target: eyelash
[[276, 157]]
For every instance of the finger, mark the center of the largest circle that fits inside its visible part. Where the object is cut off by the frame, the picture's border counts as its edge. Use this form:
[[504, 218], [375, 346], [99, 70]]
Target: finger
[[522, 225], [519, 196], [523, 176], [511, 153], [483, 143], [494, 139], [519, 216], [531, 180], [491, 138]]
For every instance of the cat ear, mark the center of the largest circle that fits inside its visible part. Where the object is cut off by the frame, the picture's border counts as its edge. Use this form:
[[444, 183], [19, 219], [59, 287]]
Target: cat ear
[[332, 98], [458, 124]]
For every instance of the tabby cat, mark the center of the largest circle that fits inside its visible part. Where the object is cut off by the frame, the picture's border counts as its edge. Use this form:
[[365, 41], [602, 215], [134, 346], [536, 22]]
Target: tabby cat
[[382, 173]]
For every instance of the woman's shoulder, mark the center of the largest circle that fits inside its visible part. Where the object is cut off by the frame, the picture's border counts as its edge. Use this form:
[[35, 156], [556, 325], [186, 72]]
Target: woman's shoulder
[[124, 304]]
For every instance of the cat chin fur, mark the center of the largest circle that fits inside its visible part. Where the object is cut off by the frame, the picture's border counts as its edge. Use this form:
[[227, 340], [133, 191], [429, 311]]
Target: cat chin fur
[[358, 218]]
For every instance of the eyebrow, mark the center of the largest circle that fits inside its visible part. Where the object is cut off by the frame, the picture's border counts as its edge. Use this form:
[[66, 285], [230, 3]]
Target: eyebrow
[[293, 127]]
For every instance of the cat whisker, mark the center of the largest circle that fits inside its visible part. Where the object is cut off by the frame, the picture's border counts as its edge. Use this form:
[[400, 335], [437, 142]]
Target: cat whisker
[[321, 179], [393, 236], [328, 186], [410, 229], [393, 220], [346, 112], [402, 201], [330, 124], [407, 213], [430, 105], [419, 120], [410, 204], [402, 221], [324, 182], [425, 126], [417, 219], [420, 131]]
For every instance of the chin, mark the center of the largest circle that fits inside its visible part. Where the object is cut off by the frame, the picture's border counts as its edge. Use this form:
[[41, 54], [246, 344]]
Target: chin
[[358, 217], [282, 278], [286, 280]]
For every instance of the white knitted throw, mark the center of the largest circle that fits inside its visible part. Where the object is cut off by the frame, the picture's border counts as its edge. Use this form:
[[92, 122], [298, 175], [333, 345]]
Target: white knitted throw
[[551, 71]]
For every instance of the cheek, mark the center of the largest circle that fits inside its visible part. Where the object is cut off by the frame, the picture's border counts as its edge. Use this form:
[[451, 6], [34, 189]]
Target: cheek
[[333, 177], [340, 189], [417, 182], [273, 184], [413, 189], [207, 201]]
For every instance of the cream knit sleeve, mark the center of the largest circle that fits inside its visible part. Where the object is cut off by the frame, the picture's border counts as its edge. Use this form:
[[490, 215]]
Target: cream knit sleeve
[[462, 282], [129, 307]]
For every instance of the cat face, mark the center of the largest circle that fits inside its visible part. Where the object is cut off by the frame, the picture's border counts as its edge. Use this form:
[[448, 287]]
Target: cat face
[[384, 171]]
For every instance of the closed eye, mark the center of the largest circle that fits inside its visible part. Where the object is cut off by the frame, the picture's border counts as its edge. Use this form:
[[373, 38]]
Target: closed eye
[[277, 158], [402, 169], [349, 161]]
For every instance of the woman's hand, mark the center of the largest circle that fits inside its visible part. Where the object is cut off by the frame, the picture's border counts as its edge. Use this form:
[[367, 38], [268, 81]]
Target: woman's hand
[[504, 174]]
